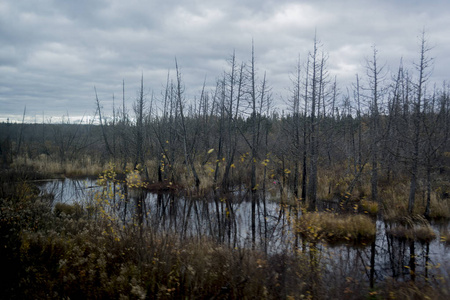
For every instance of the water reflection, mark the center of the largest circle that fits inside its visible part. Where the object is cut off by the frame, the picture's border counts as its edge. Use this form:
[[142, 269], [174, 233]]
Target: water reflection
[[70, 190], [227, 218]]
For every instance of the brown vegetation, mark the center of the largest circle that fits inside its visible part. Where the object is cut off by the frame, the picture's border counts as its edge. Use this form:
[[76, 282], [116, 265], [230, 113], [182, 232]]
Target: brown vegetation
[[377, 152], [331, 227]]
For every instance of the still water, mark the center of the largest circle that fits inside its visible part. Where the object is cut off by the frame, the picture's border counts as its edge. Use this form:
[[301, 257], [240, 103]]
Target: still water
[[227, 219]]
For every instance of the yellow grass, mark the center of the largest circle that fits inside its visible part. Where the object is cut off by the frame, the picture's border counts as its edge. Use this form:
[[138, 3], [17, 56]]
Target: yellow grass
[[439, 208], [369, 207], [420, 233], [83, 166], [445, 236], [395, 204], [414, 227], [332, 227]]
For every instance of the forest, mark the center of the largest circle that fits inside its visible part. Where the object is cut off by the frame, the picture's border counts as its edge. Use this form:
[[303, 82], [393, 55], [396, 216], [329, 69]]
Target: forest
[[344, 194]]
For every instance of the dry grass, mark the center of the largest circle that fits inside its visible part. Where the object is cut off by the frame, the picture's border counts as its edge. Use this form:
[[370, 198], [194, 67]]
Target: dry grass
[[83, 166], [419, 233], [440, 208], [71, 253], [81, 254], [369, 207], [326, 187], [392, 289], [70, 210], [336, 182], [415, 228], [395, 201], [332, 227], [445, 236], [395, 204]]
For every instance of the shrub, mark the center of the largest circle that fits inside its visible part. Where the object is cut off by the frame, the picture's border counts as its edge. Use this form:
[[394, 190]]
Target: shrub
[[69, 210]]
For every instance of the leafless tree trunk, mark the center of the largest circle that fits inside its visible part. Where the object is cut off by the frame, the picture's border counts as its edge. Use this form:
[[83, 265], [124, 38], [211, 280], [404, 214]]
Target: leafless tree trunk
[[374, 73], [139, 111], [422, 67], [101, 123], [253, 156], [305, 136], [257, 103], [315, 94], [19, 143], [234, 101], [187, 155], [296, 130]]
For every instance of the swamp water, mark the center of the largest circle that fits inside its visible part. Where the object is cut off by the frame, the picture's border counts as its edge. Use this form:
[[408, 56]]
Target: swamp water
[[229, 222]]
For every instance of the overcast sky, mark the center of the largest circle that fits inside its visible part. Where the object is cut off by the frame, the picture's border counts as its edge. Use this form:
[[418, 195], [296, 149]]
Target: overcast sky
[[53, 53]]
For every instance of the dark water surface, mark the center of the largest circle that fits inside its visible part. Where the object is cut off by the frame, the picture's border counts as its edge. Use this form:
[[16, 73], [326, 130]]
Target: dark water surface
[[227, 219]]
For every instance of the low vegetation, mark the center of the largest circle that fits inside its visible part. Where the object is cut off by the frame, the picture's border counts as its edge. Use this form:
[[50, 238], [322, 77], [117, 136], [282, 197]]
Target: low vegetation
[[337, 164], [369, 207], [419, 233], [332, 227], [55, 250], [445, 236]]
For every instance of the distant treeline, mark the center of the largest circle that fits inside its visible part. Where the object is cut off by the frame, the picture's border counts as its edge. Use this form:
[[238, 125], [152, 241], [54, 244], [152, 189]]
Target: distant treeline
[[387, 125]]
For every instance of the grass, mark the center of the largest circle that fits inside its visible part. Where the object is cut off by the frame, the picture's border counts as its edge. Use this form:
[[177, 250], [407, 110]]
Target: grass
[[445, 236], [333, 182], [415, 228], [369, 207], [44, 164], [440, 208], [392, 289], [92, 265], [72, 210], [419, 233], [331, 227], [68, 252], [395, 203], [72, 251]]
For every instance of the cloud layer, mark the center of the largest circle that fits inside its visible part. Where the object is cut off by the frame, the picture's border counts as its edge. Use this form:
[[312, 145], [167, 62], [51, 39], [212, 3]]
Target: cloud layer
[[53, 53]]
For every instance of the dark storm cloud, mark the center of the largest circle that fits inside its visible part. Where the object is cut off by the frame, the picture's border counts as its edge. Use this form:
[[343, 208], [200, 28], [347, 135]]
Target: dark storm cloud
[[53, 53]]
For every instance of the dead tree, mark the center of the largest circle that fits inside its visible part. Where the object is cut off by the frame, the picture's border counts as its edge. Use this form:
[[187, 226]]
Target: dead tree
[[187, 155], [422, 68]]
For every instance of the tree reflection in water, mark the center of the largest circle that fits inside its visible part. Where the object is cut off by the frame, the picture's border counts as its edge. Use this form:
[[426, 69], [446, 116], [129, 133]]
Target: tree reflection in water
[[228, 221]]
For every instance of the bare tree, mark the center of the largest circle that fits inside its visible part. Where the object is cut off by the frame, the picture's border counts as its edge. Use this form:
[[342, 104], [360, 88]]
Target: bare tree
[[139, 133], [105, 139], [179, 95], [422, 68], [295, 126], [317, 82], [374, 73], [235, 90]]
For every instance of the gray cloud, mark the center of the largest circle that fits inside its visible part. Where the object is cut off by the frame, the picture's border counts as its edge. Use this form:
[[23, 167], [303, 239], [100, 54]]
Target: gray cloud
[[53, 53]]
